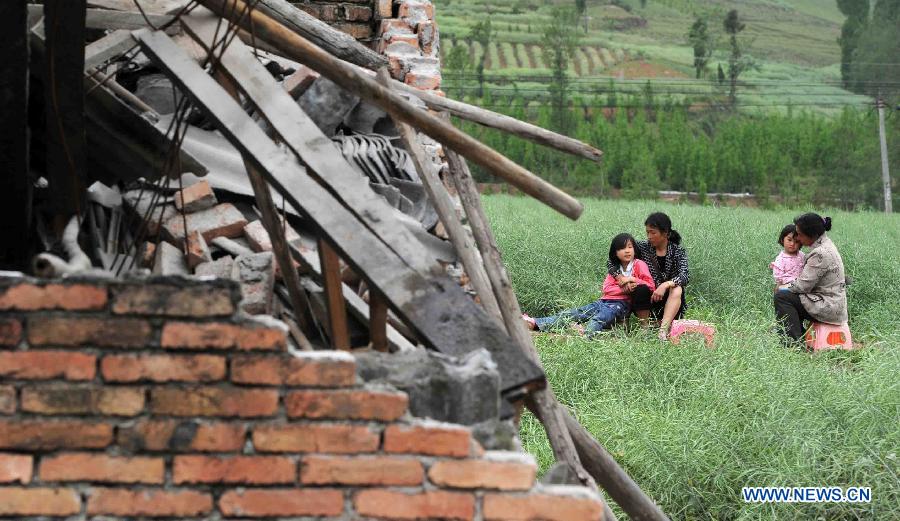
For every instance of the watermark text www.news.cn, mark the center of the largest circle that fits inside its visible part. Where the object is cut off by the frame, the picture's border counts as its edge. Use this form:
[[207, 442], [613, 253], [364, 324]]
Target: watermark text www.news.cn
[[806, 494]]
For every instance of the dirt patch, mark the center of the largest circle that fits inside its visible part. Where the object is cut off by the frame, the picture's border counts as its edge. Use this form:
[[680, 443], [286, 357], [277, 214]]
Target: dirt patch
[[643, 69]]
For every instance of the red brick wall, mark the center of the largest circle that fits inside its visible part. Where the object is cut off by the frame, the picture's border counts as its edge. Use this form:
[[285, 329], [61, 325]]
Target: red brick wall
[[354, 17], [155, 398]]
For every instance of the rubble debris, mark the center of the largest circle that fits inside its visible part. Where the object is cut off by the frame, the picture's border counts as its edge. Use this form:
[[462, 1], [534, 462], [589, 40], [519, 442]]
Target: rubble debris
[[223, 220], [196, 197], [221, 268], [259, 239], [169, 260], [326, 104], [463, 390], [256, 274], [197, 250]]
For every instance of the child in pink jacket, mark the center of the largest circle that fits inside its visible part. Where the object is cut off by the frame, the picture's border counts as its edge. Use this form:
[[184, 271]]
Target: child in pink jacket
[[789, 263], [615, 303]]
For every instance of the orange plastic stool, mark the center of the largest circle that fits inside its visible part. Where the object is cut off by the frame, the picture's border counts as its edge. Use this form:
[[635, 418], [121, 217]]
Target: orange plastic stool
[[821, 335]]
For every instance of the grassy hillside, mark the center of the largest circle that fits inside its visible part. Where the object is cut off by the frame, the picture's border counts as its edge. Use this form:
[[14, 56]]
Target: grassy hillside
[[694, 425], [794, 42]]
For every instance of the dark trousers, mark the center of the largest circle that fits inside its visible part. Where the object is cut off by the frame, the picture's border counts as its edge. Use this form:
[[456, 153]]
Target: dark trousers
[[790, 313], [641, 300]]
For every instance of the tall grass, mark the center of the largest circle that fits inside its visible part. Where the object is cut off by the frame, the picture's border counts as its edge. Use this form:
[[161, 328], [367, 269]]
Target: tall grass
[[693, 425]]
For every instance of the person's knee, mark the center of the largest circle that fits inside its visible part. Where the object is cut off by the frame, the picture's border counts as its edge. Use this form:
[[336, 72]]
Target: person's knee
[[675, 292], [782, 297]]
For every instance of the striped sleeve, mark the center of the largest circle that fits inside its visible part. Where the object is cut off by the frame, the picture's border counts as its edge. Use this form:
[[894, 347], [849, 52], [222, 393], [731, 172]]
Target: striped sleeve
[[682, 275]]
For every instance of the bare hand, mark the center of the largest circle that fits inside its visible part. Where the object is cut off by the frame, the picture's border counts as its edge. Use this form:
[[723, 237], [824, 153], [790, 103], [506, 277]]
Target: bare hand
[[621, 280], [629, 286], [658, 294]]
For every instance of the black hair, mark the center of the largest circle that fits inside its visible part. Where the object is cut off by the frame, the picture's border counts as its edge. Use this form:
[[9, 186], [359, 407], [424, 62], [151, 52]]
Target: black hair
[[619, 242], [813, 224], [661, 222], [787, 230]]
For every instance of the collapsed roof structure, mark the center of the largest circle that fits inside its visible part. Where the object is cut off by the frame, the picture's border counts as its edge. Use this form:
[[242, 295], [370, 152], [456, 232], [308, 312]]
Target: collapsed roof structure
[[247, 140]]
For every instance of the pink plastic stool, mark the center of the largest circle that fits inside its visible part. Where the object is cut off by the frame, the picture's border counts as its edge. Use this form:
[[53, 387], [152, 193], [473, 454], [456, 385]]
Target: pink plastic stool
[[821, 335], [679, 327]]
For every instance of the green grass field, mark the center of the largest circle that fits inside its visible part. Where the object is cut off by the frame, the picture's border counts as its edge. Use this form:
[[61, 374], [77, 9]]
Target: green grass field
[[693, 425]]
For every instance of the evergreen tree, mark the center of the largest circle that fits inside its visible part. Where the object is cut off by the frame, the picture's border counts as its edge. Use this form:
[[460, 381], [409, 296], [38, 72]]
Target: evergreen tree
[[558, 44], [738, 61], [482, 33], [701, 41], [456, 67], [857, 13]]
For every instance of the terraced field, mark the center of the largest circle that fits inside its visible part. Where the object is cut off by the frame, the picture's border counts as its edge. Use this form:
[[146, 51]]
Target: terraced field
[[794, 42]]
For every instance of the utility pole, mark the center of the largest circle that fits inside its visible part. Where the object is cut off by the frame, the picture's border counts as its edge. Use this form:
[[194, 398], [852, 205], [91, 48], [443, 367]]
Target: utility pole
[[885, 173]]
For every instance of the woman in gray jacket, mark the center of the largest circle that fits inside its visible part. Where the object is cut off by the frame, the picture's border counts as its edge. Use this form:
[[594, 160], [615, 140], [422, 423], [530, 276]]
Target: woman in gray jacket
[[820, 292]]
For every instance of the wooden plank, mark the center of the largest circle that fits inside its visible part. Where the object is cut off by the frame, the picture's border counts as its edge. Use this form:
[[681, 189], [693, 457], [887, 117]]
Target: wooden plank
[[432, 306], [353, 80], [447, 214], [15, 187], [334, 298], [66, 147], [112, 20], [313, 147], [309, 259], [378, 311], [111, 45]]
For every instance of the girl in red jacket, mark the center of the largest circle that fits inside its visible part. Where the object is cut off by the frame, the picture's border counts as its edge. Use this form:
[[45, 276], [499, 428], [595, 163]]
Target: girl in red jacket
[[615, 303]]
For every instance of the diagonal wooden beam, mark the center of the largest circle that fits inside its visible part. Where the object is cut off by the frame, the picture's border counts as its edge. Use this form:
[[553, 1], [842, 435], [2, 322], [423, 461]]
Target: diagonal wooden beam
[[433, 306], [353, 80], [318, 153]]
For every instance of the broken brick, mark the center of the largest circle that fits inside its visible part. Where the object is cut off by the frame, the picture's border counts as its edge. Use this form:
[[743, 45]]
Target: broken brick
[[223, 220], [197, 250], [198, 196], [256, 275]]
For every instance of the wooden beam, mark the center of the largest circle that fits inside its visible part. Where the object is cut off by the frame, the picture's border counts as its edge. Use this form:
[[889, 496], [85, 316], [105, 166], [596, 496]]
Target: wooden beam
[[334, 297], [66, 148], [351, 79], [591, 456], [15, 186], [378, 312], [321, 34], [357, 307], [505, 123], [301, 134], [110, 46], [104, 19], [434, 307], [447, 214]]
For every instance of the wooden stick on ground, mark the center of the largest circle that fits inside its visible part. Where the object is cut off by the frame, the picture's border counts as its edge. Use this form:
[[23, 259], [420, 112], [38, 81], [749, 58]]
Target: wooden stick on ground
[[350, 78], [446, 213], [592, 455]]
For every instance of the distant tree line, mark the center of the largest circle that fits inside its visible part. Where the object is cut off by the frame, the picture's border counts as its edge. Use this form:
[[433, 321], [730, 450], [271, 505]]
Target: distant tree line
[[792, 158], [870, 47]]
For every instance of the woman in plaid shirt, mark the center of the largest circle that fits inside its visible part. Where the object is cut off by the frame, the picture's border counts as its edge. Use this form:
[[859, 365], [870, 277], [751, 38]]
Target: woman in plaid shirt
[[668, 263]]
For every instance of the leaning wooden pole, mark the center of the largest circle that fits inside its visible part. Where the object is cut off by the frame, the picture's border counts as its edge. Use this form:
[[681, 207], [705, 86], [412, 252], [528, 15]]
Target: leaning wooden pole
[[594, 458], [348, 49], [505, 123], [543, 400], [351, 79], [447, 214]]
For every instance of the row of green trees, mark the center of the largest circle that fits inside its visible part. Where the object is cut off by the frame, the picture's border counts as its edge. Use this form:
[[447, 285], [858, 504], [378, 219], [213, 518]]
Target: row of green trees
[[870, 46], [792, 158]]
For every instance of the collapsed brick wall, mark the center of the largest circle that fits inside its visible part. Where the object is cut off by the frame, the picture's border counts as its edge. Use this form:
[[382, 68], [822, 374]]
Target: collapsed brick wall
[[354, 17], [411, 42], [402, 30], [157, 398]]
